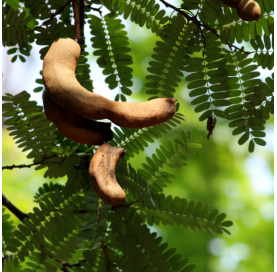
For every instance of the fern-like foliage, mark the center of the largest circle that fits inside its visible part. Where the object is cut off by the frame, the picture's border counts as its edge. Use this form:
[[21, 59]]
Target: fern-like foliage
[[252, 115], [181, 39], [180, 212], [207, 79], [264, 55], [174, 156], [133, 183], [46, 36], [29, 125], [95, 260], [59, 165], [112, 43], [15, 32], [7, 229], [45, 190], [48, 33], [223, 77], [141, 12], [34, 132], [135, 140], [73, 228], [142, 251], [51, 231], [169, 58], [94, 228]]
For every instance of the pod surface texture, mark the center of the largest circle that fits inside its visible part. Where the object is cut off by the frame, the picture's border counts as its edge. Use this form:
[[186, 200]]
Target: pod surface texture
[[75, 127], [102, 174], [59, 78]]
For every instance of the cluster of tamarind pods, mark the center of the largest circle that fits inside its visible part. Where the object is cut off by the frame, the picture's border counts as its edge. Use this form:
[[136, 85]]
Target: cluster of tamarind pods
[[71, 108], [247, 10]]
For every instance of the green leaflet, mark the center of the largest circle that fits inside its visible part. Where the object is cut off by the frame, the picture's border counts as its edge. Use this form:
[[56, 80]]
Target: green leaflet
[[15, 32], [29, 125], [174, 156], [141, 12], [131, 244], [183, 213], [135, 140], [212, 78], [173, 54], [138, 241], [7, 232], [132, 181], [93, 229], [252, 110], [49, 223], [112, 42]]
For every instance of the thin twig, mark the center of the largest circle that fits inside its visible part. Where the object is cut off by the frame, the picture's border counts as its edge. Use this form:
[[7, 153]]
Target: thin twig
[[19, 214], [106, 255], [194, 20], [10, 167], [77, 36], [53, 16], [95, 9]]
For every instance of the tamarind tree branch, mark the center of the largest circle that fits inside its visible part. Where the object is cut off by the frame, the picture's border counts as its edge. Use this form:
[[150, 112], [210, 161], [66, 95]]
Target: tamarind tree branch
[[82, 23], [10, 167], [82, 17], [19, 214], [52, 16], [106, 255], [77, 21], [195, 21]]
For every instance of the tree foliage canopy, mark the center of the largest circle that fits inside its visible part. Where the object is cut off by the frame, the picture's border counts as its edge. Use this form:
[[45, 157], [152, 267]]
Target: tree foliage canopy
[[203, 42]]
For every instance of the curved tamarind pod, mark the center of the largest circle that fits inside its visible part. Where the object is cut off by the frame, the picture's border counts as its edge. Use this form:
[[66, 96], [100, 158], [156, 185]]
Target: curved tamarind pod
[[75, 127], [248, 10], [59, 67], [230, 3], [102, 174]]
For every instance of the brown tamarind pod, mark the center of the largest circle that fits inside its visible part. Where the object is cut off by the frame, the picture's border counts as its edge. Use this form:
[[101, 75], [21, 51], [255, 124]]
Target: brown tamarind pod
[[102, 174], [230, 3], [59, 67], [75, 127], [248, 10]]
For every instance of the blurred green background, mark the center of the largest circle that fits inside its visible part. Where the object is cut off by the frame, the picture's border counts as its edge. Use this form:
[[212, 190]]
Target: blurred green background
[[222, 173]]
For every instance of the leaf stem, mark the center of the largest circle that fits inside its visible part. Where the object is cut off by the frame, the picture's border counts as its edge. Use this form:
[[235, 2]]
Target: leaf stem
[[10, 167]]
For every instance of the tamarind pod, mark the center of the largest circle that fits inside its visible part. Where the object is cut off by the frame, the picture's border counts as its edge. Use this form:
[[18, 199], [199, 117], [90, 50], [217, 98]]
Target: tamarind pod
[[230, 3], [248, 10], [75, 127], [59, 67], [102, 174]]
